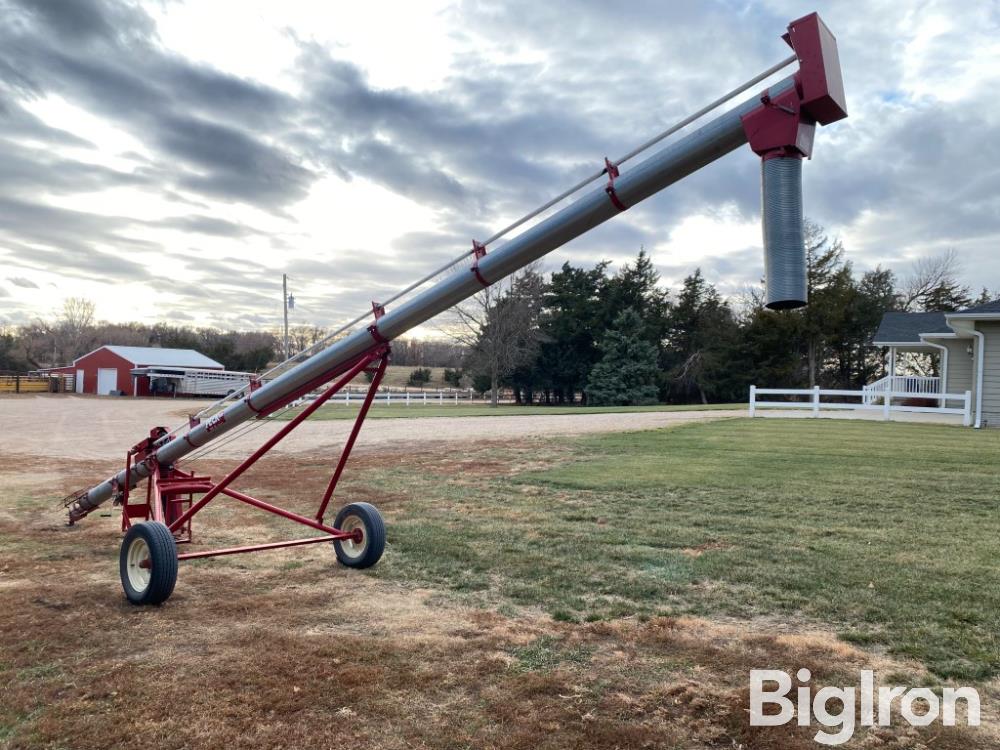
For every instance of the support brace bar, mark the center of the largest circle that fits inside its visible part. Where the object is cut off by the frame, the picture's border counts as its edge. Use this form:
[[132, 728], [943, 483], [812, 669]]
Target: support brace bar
[[360, 364], [258, 547]]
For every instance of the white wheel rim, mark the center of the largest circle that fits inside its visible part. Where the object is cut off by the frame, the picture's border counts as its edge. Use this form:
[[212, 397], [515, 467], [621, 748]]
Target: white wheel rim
[[138, 576], [349, 547]]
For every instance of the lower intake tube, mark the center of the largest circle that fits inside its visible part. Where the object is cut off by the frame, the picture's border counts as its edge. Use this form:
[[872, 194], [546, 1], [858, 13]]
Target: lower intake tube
[[784, 243]]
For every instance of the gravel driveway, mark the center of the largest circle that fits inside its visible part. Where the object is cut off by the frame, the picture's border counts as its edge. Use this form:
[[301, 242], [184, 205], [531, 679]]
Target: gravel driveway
[[104, 427]]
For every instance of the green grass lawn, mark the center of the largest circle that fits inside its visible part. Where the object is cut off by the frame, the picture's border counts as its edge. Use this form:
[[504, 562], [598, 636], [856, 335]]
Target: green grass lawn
[[885, 533], [417, 409]]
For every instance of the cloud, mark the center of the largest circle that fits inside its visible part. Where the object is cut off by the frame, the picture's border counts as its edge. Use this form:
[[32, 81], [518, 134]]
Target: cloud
[[47, 237], [22, 282], [209, 128], [207, 225], [27, 170], [81, 22], [536, 96]]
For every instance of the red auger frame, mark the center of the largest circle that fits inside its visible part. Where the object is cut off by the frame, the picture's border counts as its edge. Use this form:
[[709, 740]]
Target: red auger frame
[[148, 574]]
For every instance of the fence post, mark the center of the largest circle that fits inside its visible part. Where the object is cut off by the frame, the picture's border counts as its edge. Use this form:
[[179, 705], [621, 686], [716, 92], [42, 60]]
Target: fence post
[[753, 400], [815, 400], [456, 398], [440, 396], [17, 384], [967, 416], [388, 397], [886, 405], [407, 398], [425, 398], [347, 396]]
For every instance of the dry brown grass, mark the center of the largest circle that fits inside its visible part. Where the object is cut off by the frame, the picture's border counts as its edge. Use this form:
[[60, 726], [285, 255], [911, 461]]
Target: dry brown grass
[[286, 650]]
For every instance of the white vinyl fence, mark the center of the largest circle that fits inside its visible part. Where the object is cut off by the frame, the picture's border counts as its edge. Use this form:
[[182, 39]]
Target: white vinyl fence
[[401, 396], [404, 396], [815, 402]]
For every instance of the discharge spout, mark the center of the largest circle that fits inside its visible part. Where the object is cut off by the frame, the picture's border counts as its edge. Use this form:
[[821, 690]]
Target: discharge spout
[[784, 245]]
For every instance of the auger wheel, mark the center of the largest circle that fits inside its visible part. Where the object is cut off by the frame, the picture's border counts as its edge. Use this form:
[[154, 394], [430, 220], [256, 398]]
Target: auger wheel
[[368, 543], [147, 562]]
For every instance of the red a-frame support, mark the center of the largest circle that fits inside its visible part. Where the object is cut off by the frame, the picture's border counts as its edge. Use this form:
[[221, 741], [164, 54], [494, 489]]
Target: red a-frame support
[[170, 491]]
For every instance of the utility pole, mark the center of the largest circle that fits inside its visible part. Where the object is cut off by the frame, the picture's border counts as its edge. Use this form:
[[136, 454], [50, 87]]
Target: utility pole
[[284, 305]]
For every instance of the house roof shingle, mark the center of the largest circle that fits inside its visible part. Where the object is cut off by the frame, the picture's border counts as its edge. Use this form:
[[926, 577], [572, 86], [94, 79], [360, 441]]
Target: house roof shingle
[[905, 328], [987, 307]]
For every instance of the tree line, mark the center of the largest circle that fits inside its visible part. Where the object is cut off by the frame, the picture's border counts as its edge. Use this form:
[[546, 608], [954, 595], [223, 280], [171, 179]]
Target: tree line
[[592, 336], [74, 331]]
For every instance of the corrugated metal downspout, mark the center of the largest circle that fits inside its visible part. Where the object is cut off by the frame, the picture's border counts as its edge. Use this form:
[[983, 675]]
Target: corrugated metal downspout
[[784, 243]]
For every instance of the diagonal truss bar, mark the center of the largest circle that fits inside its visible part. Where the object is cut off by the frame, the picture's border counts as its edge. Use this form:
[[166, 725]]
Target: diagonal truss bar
[[290, 515], [359, 365], [349, 445], [258, 547]]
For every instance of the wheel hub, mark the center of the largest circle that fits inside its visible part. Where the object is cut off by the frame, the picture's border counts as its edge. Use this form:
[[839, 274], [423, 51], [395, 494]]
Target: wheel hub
[[139, 566]]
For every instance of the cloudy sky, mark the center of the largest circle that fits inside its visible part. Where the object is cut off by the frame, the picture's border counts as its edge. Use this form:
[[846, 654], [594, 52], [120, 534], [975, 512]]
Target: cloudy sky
[[170, 160]]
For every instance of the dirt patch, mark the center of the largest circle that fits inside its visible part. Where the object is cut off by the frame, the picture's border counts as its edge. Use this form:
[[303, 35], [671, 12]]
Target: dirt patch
[[701, 549]]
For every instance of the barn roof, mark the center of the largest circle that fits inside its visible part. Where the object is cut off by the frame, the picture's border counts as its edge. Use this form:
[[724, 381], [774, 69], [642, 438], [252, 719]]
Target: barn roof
[[905, 328], [158, 357]]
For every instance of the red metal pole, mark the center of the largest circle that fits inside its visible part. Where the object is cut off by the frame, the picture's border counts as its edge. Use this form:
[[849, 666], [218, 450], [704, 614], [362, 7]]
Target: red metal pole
[[372, 388], [246, 464], [258, 547], [126, 521], [249, 500]]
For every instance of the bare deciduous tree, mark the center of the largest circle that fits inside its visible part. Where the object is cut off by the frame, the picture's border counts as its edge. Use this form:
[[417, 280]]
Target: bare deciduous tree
[[932, 284], [500, 326]]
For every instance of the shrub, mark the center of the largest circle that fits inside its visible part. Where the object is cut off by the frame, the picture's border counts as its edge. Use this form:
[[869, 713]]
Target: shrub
[[419, 376]]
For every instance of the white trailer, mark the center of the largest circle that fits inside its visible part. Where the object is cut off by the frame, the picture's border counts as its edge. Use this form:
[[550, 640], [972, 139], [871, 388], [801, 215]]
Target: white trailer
[[191, 381]]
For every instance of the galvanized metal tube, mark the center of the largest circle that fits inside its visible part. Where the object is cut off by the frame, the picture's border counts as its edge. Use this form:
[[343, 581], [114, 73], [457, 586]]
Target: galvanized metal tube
[[688, 154], [784, 244]]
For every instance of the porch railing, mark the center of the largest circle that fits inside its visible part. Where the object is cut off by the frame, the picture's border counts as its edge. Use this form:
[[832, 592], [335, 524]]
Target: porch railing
[[911, 385]]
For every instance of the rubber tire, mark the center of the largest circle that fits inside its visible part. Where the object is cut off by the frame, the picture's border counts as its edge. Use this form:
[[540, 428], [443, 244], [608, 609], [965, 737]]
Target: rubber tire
[[374, 531], [162, 555]]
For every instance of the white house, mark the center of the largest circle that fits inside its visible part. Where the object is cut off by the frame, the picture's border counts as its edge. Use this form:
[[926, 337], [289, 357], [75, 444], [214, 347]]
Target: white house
[[967, 346]]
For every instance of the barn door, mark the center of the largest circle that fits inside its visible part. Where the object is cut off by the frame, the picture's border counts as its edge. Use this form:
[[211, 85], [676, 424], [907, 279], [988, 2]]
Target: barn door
[[78, 382], [107, 381]]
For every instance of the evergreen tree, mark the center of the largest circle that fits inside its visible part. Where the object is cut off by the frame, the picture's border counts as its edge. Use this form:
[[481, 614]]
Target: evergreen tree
[[573, 310], [637, 287], [826, 280], [700, 339], [984, 297], [626, 373]]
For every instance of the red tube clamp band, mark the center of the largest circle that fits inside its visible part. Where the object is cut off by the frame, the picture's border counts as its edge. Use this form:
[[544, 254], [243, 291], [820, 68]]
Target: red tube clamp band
[[478, 250], [612, 171], [373, 330]]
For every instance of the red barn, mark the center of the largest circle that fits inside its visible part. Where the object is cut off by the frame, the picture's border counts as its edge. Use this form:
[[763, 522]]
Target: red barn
[[108, 370]]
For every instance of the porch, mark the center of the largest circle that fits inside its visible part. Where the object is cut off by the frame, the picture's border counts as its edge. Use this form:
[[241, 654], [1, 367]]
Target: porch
[[910, 386]]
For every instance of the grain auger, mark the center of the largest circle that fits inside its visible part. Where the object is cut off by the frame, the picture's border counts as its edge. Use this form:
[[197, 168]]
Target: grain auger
[[778, 123]]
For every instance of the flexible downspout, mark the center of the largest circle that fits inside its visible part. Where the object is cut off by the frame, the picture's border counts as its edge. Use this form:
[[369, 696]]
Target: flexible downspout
[[979, 376]]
